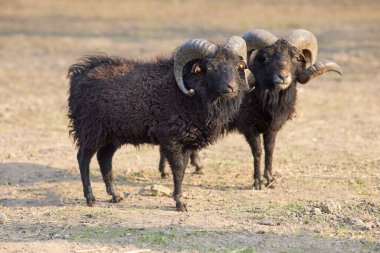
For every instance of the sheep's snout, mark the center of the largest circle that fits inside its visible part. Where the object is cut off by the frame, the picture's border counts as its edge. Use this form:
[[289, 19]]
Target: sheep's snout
[[231, 86], [282, 79], [229, 89]]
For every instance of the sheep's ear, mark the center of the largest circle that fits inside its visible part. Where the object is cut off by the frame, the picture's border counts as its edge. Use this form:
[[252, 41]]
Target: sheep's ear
[[196, 68], [308, 57], [189, 67]]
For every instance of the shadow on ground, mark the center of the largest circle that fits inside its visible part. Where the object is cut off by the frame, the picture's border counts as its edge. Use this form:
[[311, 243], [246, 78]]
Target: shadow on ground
[[25, 174]]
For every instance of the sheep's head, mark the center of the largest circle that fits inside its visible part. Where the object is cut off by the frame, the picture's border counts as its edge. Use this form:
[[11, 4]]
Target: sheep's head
[[214, 70], [276, 66], [277, 63]]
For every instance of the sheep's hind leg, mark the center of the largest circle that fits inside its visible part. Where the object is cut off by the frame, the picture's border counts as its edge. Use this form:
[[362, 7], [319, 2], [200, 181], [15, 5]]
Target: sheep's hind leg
[[178, 161], [161, 165], [195, 160], [104, 156], [269, 143], [84, 158], [255, 144]]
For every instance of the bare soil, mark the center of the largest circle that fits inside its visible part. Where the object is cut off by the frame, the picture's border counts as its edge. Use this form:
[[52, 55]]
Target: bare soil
[[330, 151]]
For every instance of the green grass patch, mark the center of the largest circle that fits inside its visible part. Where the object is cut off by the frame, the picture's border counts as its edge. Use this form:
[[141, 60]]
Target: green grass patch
[[102, 233], [343, 230], [360, 183], [156, 238], [258, 212], [142, 237]]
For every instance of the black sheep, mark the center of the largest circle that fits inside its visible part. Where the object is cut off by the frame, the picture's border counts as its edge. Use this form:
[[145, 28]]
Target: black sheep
[[180, 102], [277, 65]]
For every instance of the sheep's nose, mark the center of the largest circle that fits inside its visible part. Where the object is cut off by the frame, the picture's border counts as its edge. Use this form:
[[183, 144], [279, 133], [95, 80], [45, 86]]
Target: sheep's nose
[[283, 75], [229, 88], [282, 78]]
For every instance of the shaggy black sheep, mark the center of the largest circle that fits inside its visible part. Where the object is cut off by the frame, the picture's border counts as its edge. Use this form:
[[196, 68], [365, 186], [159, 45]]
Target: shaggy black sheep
[[277, 65], [180, 102]]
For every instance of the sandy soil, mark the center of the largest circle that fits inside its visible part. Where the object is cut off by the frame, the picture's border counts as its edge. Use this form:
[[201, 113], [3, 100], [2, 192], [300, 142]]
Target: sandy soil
[[330, 151]]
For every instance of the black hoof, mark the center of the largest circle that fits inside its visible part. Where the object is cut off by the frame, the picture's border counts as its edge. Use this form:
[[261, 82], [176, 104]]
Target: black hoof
[[199, 172], [91, 201], [257, 185], [116, 199], [181, 207], [164, 175]]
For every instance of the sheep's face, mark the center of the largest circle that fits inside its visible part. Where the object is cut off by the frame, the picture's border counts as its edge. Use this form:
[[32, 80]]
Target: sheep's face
[[276, 66], [221, 75]]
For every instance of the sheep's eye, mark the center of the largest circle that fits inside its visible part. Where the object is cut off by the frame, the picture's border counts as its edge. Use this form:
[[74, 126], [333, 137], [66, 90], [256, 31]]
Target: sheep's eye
[[196, 68], [241, 65]]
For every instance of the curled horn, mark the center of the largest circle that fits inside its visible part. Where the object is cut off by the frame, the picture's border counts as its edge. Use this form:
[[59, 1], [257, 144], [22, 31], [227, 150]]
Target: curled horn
[[306, 41], [190, 50], [239, 45], [318, 69], [258, 38]]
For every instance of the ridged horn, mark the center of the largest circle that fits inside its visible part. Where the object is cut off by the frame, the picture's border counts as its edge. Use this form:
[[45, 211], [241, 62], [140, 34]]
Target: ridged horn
[[190, 50], [318, 69], [306, 41], [258, 38], [238, 45]]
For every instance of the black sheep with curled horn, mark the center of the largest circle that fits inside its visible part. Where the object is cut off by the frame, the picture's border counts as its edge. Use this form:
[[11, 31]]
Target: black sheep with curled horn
[[114, 101], [277, 65]]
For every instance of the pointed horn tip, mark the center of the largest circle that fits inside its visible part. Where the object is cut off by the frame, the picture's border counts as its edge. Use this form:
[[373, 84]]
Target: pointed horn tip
[[335, 67], [339, 71], [250, 89]]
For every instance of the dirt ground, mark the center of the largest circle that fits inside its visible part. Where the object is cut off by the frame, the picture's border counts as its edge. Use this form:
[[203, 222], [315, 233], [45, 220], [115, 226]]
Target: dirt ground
[[329, 152]]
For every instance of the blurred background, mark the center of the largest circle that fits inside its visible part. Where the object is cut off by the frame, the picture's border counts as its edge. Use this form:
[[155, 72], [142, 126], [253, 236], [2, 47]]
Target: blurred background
[[331, 149], [39, 40]]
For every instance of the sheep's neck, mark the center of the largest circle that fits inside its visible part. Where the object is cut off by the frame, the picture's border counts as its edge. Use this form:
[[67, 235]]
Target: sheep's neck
[[278, 106]]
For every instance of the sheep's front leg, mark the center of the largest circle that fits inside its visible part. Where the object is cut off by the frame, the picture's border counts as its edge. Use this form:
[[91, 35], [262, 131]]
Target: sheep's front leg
[[195, 160], [178, 161], [255, 143], [269, 143], [161, 166]]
